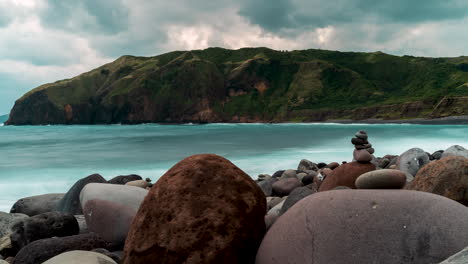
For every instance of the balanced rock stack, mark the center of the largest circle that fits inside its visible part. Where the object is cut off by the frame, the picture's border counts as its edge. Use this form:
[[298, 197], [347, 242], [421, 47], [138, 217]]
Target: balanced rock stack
[[363, 149]]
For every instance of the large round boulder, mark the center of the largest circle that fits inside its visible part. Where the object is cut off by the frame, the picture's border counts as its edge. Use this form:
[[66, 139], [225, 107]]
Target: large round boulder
[[367, 226], [129, 196], [38, 204], [345, 175], [381, 179], [447, 177], [44, 249], [412, 160], [203, 210], [70, 203], [455, 150], [41, 226], [285, 186], [7, 220], [123, 179], [80, 257], [109, 220]]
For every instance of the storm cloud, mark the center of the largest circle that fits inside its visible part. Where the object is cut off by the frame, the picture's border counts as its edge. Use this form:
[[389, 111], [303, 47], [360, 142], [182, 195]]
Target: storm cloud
[[45, 40]]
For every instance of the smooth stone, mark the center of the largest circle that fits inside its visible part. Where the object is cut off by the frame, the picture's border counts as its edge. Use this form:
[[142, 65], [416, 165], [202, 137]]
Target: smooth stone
[[285, 186], [295, 196], [371, 150], [42, 250], [277, 174], [333, 165], [362, 156], [359, 141], [305, 165], [267, 186], [276, 210], [109, 220], [308, 179], [301, 175], [437, 155], [367, 226], [412, 160], [321, 165], [123, 179], [203, 210], [345, 175], [37, 204], [80, 257], [288, 174], [455, 150], [361, 134], [70, 203], [42, 226], [382, 163], [447, 177], [7, 220], [274, 201], [129, 196], [459, 258], [381, 179], [138, 183]]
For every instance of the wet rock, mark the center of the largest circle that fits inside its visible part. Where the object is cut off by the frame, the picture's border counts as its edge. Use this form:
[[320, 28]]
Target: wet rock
[[38, 204], [70, 203], [203, 210], [80, 257], [381, 179], [123, 179], [345, 175], [412, 160], [285, 186], [367, 226], [447, 177]]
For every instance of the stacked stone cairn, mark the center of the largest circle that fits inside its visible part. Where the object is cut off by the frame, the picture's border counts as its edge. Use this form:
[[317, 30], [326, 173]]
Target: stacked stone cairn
[[363, 149]]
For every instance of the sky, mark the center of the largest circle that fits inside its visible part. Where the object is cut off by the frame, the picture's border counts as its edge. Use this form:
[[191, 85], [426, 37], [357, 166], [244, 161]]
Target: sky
[[43, 41]]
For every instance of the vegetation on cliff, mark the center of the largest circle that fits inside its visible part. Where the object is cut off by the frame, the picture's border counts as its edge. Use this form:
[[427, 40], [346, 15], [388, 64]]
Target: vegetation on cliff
[[252, 84]]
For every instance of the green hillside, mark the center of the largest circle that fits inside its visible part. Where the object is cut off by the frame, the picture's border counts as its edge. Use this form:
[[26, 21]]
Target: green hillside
[[252, 85]]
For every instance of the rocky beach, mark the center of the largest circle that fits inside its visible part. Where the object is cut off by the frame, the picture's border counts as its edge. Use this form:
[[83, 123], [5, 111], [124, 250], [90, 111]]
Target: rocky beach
[[406, 208]]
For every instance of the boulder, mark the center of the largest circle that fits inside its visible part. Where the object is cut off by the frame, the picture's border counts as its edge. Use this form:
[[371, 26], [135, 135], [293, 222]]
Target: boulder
[[308, 179], [305, 165], [273, 201], [362, 156], [459, 258], [109, 220], [412, 160], [345, 175], [80, 257], [41, 226], [333, 165], [383, 163], [263, 177], [437, 155], [38, 204], [277, 174], [276, 210], [361, 134], [267, 186], [129, 196], [367, 226], [288, 174], [447, 177], [70, 203], [138, 183], [41, 250], [203, 210], [285, 186], [455, 150], [381, 179], [7, 220], [295, 196], [123, 179]]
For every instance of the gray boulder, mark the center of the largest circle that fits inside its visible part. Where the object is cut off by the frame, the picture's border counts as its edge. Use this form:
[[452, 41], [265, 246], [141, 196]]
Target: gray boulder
[[129, 196], [455, 150], [70, 203], [295, 196], [305, 165], [38, 204], [7, 220], [267, 186], [288, 174], [412, 160]]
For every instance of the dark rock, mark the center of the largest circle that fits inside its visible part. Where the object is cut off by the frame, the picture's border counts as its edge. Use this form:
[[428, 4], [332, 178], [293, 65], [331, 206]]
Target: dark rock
[[44, 249], [70, 203], [437, 155], [383, 163], [364, 146], [41, 226], [367, 226], [305, 165], [333, 165], [262, 177], [288, 174], [123, 179], [295, 196], [345, 175], [412, 160], [321, 165], [267, 186], [285, 186], [308, 179], [38, 204], [447, 177], [7, 220], [359, 141], [371, 150], [361, 134], [203, 210], [277, 174], [381, 179]]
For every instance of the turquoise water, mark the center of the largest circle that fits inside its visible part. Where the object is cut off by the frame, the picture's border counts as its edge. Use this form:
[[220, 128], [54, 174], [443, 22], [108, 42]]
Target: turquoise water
[[44, 159]]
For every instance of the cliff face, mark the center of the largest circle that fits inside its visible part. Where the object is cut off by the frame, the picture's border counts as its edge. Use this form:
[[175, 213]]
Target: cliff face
[[251, 85]]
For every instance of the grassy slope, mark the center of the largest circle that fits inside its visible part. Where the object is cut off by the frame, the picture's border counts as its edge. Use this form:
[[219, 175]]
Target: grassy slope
[[296, 80]]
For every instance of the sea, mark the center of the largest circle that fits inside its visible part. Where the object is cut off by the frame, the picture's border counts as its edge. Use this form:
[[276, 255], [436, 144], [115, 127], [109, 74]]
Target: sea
[[50, 159]]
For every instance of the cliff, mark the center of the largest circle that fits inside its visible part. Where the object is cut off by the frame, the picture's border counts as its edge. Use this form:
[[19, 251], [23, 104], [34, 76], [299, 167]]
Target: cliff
[[252, 85]]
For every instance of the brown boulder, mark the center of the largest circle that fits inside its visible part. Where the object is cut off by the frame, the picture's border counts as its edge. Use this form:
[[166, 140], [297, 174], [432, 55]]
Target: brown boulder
[[203, 210], [345, 175], [381, 179], [284, 187], [447, 177]]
